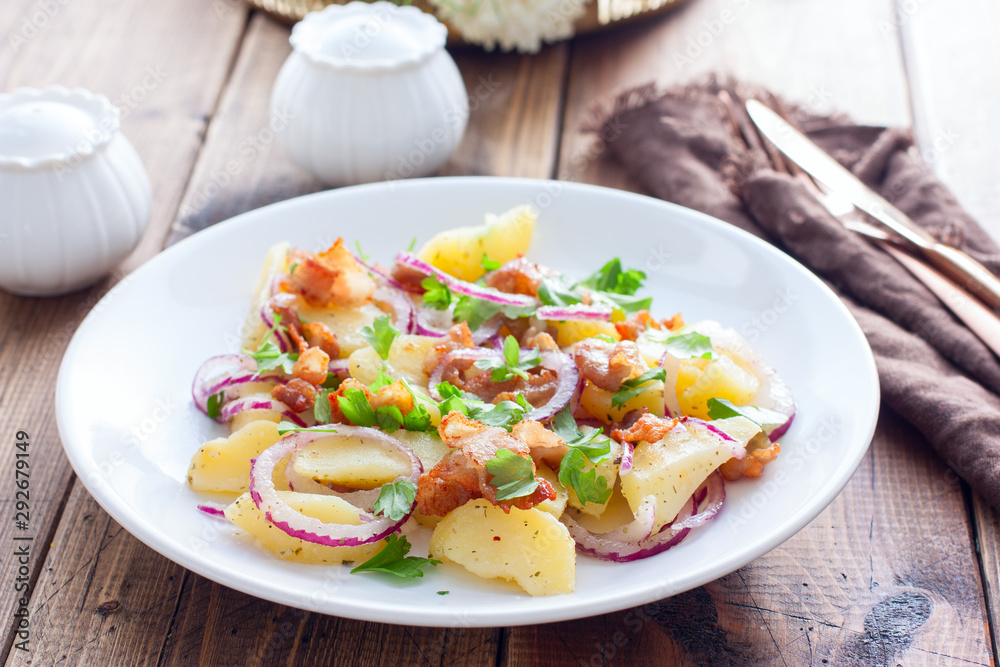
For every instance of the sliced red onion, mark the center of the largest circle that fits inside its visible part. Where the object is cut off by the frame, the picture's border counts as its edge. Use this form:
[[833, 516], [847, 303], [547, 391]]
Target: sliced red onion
[[487, 331], [267, 315], [737, 449], [386, 277], [339, 366], [430, 321], [579, 312], [402, 307], [621, 546], [212, 511], [219, 372], [567, 376], [625, 467], [462, 287], [467, 354], [230, 410], [296, 524]]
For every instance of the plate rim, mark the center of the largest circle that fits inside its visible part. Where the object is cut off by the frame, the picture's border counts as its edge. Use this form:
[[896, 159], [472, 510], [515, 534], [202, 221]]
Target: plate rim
[[362, 609]]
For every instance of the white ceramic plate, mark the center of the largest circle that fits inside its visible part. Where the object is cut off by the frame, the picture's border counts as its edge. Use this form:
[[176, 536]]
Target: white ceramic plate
[[129, 427]]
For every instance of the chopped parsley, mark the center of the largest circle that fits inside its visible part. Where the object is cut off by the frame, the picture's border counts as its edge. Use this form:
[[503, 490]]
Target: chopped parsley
[[321, 409], [720, 408], [514, 361], [610, 285], [381, 335], [269, 356], [395, 500], [489, 264], [611, 278], [389, 418], [512, 475], [392, 559], [502, 415], [690, 345], [632, 388], [361, 253], [214, 405], [355, 406], [437, 295], [289, 427], [592, 446]]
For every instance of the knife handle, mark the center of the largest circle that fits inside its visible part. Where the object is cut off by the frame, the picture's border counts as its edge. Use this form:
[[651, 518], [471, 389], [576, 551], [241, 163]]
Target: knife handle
[[966, 271]]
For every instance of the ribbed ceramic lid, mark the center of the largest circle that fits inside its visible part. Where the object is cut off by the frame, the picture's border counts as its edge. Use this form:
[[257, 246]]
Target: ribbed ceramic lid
[[53, 125], [368, 36]]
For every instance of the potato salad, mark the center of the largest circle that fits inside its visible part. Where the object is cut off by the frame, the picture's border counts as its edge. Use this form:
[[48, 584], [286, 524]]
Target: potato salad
[[520, 415]]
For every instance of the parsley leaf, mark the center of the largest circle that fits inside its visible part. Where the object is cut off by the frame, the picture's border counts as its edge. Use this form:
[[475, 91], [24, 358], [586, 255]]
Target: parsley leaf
[[361, 253], [380, 335], [720, 408], [689, 345], [502, 415], [332, 381], [381, 380], [355, 406], [588, 485], [393, 560], [514, 361], [611, 278], [269, 357], [513, 476], [321, 409], [632, 388], [557, 291], [437, 295], [388, 418], [214, 405], [623, 302], [413, 244], [396, 499], [489, 264], [475, 312], [417, 419], [592, 444], [288, 427]]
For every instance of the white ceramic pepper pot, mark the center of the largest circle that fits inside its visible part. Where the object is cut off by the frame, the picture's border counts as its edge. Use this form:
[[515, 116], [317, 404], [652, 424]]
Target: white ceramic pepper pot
[[369, 93], [74, 196]]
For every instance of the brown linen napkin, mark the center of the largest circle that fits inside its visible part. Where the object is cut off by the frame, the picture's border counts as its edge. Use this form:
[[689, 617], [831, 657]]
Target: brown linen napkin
[[680, 145]]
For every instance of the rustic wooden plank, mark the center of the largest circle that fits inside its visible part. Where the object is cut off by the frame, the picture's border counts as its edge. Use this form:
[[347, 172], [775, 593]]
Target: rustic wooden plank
[[164, 68], [831, 594], [513, 130], [954, 91]]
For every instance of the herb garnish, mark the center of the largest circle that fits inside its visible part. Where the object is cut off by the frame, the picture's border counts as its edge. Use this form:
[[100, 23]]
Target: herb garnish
[[381, 335], [514, 361], [592, 446], [395, 499], [632, 388], [513, 476], [720, 408], [392, 559]]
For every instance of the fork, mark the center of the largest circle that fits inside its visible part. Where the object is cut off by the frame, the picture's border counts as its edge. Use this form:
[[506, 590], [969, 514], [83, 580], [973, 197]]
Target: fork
[[981, 321]]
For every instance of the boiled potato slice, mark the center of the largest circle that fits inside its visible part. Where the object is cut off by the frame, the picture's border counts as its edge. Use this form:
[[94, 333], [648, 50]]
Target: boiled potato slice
[[329, 509], [571, 331], [530, 547], [557, 506], [242, 419], [354, 462], [405, 362], [722, 378], [598, 402], [672, 468], [459, 252], [345, 323], [427, 446], [275, 262], [616, 514], [224, 464]]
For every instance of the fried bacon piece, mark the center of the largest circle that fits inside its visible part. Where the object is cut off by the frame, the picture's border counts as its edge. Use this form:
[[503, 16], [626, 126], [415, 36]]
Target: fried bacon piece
[[751, 465], [317, 334], [393, 394], [538, 389], [408, 277], [542, 340], [459, 338], [518, 276], [607, 365], [461, 476], [312, 366], [648, 428], [331, 278], [641, 321], [545, 446], [297, 394]]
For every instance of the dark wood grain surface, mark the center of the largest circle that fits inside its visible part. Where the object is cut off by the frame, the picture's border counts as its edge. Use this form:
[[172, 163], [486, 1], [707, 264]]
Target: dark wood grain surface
[[903, 568]]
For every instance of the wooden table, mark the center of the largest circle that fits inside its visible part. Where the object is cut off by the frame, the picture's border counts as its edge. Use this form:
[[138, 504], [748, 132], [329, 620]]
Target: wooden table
[[901, 569]]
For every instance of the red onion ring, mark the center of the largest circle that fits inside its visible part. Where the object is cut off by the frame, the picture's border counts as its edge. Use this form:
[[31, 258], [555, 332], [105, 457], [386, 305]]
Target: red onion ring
[[462, 287], [363, 498], [621, 546], [470, 354], [402, 307], [430, 321], [296, 524], [736, 449], [628, 450], [386, 277], [568, 376], [219, 372], [231, 409], [579, 312], [267, 315]]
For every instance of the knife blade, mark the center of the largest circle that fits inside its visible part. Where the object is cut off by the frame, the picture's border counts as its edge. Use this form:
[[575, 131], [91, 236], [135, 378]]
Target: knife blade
[[817, 163]]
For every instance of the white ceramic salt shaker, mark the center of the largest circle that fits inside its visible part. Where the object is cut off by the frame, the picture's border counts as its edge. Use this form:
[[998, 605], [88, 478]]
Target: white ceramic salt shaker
[[74, 195], [369, 93]]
